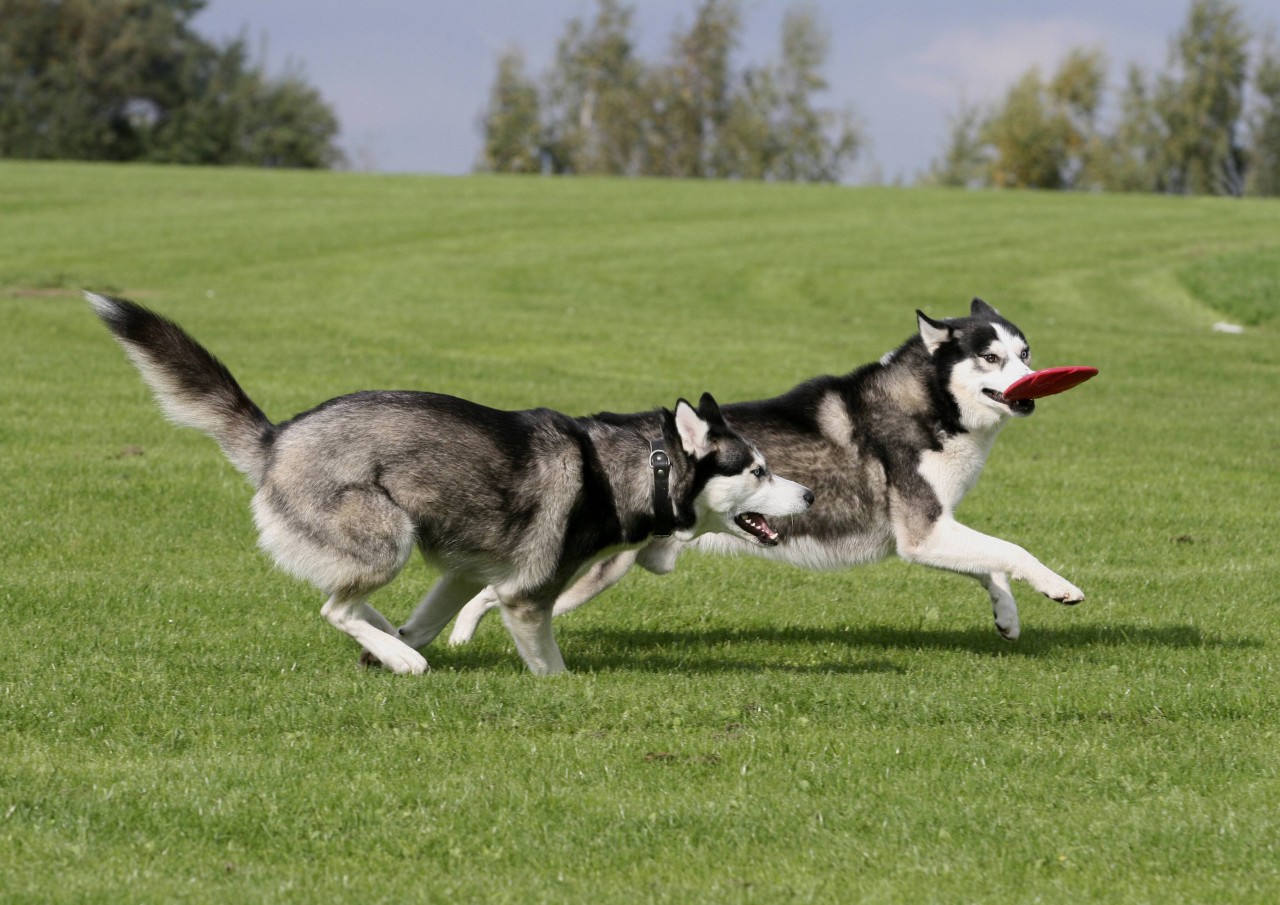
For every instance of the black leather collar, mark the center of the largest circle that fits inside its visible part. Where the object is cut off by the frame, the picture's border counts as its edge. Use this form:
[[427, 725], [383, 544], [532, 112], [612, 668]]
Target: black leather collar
[[664, 517]]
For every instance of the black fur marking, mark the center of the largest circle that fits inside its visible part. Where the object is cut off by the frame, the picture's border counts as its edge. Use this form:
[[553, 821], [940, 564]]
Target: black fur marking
[[732, 457], [593, 521]]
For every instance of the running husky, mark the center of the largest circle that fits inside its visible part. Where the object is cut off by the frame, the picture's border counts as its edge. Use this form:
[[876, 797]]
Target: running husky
[[890, 449], [523, 502]]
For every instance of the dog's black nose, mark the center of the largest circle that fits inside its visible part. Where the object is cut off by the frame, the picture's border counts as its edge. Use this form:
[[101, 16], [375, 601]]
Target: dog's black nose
[[808, 497]]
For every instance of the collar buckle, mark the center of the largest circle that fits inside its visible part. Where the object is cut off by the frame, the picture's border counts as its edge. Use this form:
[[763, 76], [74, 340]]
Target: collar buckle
[[660, 463]]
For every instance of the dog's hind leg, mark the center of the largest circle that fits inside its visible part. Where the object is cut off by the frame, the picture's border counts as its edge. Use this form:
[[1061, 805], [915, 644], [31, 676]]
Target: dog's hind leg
[[353, 615], [441, 603], [595, 581], [1003, 606], [529, 622]]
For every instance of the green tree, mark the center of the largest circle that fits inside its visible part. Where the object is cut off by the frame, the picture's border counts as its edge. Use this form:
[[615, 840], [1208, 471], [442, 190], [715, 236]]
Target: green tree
[[130, 80], [690, 99], [750, 142], [1200, 102], [595, 119], [512, 128], [1133, 152], [1181, 131], [964, 162], [604, 110], [84, 79], [1264, 123], [775, 130], [1076, 92], [1045, 134], [234, 114], [287, 124], [1028, 141], [815, 145]]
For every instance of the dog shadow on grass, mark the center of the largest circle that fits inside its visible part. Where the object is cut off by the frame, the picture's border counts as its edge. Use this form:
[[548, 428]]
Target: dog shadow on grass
[[826, 650]]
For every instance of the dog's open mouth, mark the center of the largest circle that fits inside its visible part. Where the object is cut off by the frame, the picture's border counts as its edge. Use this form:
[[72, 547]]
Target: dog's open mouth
[[1018, 406], [754, 524]]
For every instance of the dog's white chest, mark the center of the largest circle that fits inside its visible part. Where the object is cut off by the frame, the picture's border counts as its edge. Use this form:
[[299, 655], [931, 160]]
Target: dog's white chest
[[953, 470]]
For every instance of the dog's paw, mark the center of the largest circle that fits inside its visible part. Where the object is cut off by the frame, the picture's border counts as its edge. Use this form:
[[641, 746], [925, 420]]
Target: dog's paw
[[1005, 611], [464, 628], [1009, 631], [1064, 592], [408, 662]]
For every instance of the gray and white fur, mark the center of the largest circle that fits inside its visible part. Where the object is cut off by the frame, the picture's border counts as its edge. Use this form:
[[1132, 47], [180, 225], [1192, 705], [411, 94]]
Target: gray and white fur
[[890, 451], [522, 502]]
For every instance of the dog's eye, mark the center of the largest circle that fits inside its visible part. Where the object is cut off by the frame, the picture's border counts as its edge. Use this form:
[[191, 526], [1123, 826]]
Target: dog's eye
[[991, 358], [760, 471], [1026, 353]]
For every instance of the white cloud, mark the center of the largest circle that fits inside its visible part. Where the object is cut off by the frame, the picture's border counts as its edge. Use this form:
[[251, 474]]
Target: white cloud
[[981, 65]]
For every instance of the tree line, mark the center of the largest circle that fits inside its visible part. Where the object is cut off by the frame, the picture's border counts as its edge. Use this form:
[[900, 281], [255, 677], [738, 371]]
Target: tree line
[[127, 80], [1209, 124], [131, 80], [602, 109]]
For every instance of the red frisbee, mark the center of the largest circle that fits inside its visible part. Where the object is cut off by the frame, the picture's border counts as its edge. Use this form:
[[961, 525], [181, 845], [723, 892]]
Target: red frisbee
[[1048, 382]]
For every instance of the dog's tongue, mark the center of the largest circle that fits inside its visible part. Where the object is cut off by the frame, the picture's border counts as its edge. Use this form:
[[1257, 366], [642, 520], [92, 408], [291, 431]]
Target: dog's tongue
[[1048, 382], [754, 524]]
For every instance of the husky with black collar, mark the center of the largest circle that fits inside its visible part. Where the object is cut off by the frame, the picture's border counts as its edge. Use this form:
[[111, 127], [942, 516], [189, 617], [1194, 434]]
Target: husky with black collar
[[522, 502], [890, 450]]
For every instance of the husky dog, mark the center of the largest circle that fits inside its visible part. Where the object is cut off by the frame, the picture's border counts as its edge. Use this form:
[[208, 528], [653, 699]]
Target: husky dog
[[523, 502], [890, 450]]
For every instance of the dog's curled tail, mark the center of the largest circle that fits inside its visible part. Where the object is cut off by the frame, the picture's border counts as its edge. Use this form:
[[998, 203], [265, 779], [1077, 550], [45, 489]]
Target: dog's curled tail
[[193, 387]]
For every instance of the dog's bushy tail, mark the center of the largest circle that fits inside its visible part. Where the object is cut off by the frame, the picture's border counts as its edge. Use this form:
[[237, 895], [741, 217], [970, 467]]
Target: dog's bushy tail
[[193, 387]]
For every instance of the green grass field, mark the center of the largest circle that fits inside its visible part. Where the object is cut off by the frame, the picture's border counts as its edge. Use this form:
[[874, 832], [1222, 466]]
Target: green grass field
[[178, 724]]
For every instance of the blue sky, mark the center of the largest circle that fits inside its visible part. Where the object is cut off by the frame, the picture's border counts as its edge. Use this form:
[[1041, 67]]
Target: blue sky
[[409, 78]]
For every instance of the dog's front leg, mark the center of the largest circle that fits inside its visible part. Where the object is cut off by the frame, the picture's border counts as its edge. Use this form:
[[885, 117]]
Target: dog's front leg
[[659, 555], [598, 579], [529, 622], [1003, 606], [464, 628], [594, 582], [439, 605], [958, 548]]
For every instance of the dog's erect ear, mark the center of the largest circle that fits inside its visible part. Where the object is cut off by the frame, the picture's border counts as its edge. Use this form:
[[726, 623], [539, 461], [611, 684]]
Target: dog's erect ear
[[932, 332], [979, 308], [709, 409], [694, 432]]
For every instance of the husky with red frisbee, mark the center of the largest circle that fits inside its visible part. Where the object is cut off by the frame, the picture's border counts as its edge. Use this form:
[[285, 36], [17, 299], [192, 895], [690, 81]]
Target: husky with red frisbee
[[890, 450]]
